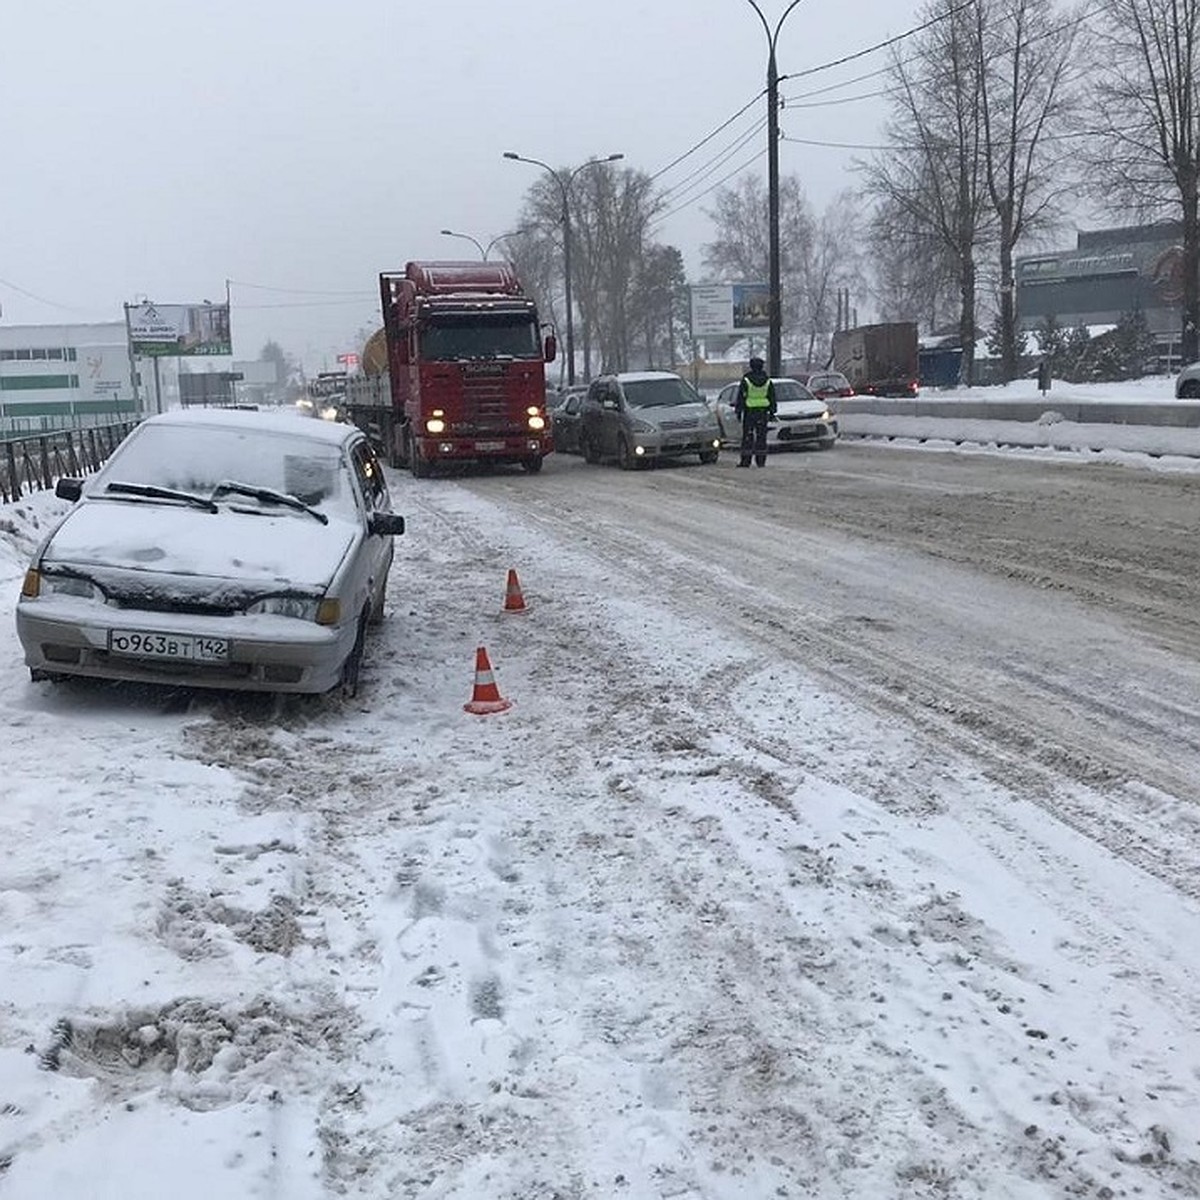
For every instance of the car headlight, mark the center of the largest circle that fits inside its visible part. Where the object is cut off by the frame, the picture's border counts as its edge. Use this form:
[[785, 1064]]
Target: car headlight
[[640, 426], [42, 583], [300, 608]]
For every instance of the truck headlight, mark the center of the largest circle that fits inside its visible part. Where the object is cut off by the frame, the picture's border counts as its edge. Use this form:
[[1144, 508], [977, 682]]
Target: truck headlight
[[435, 425], [537, 422]]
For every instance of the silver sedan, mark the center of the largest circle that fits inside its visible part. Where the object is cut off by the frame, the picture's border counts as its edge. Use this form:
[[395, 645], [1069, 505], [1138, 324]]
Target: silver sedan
[[216, 549]]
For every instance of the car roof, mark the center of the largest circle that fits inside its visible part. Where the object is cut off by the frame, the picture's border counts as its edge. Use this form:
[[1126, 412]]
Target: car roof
[[290, 423], [644, 376]]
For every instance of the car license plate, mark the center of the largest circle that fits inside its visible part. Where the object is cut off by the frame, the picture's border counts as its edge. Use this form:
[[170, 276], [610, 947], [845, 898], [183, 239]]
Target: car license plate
[[135, 643], [489, 445]]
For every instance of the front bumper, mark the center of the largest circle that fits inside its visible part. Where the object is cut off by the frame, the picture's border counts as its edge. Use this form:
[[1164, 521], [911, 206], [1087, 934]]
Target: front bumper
[[802, 432], [63, 637]]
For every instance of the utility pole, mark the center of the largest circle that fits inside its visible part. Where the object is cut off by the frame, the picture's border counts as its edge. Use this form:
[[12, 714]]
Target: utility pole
[[775, 334]]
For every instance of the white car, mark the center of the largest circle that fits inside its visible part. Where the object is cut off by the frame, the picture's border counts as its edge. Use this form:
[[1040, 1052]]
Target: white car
[[801, 419], [1187, 383], [217, 548]]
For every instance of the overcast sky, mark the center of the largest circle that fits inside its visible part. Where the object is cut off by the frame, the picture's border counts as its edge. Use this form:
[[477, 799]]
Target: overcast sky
[[298, 148]]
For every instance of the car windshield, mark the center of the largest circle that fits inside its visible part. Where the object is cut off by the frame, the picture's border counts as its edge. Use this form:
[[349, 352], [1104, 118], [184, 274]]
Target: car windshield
[[448, 338], [198, 460], [790, 389], [658, 393]]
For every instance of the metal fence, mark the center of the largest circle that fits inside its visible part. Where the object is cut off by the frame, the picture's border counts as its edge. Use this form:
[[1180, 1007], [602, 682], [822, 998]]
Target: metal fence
[[31, 464]]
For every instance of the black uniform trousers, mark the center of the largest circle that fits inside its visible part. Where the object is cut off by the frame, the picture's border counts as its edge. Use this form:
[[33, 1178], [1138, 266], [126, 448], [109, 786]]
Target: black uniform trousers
[[754, 435]]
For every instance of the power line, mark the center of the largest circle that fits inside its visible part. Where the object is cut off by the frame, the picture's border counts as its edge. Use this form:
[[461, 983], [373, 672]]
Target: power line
[[12, 287], [714, 164], [264, 287], [724, 178], [709, 136]]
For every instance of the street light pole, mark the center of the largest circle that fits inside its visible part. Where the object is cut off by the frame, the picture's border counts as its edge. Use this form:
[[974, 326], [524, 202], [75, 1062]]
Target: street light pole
[[468, 238], [484, 251], [564, 188], [775, 335]]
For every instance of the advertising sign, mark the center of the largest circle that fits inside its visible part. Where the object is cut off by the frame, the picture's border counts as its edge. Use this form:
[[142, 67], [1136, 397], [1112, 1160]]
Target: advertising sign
[[178, 330], [725, 309], [104, 374]]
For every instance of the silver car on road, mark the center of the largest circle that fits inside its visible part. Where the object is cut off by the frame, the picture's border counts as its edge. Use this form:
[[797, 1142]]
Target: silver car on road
[[217, 548], [638, 417]]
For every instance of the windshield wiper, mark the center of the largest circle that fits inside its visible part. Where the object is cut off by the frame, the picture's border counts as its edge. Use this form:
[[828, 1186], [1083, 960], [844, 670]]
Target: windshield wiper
[[268, 496], [161, 493]]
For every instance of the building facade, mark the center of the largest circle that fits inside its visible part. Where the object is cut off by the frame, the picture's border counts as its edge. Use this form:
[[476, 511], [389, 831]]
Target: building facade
[[64, 376], [1109, 274]]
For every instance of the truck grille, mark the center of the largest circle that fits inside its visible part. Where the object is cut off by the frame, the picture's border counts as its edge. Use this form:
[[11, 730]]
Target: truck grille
[[484, 406]]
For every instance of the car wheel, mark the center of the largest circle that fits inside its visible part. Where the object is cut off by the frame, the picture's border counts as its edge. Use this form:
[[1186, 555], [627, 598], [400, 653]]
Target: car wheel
[[1190, 390], [708, 457], [625, 456], [376, 614], [589, 451], [533, 464], [353, 664]]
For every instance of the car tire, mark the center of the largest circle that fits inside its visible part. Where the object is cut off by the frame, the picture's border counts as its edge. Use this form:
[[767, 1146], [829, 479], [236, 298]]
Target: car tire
[[708, 457], [352, 667], [625, 456], [1190, 390], [589, 451], [375, 616]]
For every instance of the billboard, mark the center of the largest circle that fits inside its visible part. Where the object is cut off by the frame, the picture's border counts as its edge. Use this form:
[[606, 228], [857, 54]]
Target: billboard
[[724, 309], [178, 330]]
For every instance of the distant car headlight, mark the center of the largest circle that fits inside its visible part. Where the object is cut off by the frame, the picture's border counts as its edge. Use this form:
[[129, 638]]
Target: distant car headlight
[[826, 415], [300, 608], [40, 583]]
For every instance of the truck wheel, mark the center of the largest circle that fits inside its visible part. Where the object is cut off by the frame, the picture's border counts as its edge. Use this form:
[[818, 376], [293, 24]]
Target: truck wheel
[[421, 468], [533, 464]]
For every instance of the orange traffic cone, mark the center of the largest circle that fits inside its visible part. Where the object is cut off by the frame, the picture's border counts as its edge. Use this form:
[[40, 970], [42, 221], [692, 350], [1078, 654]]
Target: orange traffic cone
[[514, 601], [486, 697]]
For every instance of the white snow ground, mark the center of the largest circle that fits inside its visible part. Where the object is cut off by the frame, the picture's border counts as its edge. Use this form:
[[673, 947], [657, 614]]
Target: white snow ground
[[610, 943]]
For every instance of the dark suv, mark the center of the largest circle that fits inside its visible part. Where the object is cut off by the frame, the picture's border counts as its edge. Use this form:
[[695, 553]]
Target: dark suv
[[637, 417]]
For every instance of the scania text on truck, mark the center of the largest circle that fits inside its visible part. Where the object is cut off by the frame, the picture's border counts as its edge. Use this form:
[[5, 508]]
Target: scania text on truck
[[878, 360], [457, 373]]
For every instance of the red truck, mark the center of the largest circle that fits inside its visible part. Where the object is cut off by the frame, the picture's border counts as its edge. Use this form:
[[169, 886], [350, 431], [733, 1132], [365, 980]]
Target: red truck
[[458, 371]]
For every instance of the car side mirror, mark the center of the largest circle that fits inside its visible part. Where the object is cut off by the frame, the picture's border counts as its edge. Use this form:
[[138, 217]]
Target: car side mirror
[[550, 348], [386, 524], [69, 489]]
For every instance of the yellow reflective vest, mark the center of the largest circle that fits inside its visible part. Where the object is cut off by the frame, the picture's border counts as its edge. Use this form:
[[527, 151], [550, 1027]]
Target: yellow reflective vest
[[756, 395]]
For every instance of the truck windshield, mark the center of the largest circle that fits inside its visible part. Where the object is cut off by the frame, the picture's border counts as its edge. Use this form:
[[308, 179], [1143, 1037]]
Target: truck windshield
[[480, 335]]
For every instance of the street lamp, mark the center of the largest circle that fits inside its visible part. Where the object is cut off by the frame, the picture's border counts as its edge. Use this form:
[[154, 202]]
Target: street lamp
[[564, 187], [775, 336], [484, 251]]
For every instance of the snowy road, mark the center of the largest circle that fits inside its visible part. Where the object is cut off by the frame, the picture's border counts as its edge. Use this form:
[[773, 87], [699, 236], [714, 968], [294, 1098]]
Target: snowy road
[[842, 841]]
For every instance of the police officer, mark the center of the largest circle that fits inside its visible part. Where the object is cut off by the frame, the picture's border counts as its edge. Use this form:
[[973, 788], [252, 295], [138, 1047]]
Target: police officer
[[755, 408]]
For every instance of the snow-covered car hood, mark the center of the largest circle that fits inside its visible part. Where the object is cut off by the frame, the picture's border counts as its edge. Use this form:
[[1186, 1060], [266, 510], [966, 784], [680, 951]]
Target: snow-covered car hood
[[792, 409], [289, 548], [677, 416]]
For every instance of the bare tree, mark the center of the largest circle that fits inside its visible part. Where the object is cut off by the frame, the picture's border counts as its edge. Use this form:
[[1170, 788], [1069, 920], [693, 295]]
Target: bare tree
[[829, 261], [740, 252], [934, 173], [1148, 61], [913, 276], [610, 213], [1025, 52]]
